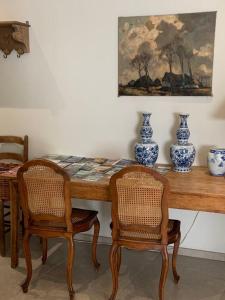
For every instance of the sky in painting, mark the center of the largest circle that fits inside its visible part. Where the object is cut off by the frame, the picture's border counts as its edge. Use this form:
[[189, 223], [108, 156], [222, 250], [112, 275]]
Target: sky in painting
[[152, 34]]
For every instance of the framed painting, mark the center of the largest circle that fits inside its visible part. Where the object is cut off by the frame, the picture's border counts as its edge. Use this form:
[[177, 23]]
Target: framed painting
[[166, 55]]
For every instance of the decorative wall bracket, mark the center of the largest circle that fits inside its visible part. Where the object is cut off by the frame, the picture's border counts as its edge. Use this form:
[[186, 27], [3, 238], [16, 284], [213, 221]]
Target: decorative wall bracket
[[14, 36]]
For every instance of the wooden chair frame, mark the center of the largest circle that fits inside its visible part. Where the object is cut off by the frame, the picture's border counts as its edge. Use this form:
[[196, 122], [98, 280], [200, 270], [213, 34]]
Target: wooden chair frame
[[5, 225], [67, 231], [140, 244], [15, 140]]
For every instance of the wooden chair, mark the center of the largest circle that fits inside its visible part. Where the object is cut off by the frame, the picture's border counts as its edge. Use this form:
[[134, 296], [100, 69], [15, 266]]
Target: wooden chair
[[13, 150], [44, 190], [140, 219]]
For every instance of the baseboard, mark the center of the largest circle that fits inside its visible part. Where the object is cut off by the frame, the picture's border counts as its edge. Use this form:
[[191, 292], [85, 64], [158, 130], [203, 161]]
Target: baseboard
[[182, 251], [88, 238], [202, 254]]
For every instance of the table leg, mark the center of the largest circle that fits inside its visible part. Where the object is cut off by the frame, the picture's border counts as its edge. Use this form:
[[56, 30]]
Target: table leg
[[2, 229], [14, 214]]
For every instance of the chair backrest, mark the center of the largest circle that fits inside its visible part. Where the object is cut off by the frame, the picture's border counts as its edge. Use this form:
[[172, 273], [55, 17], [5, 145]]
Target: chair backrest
[[44, 189], [139, 203], [14, 148]]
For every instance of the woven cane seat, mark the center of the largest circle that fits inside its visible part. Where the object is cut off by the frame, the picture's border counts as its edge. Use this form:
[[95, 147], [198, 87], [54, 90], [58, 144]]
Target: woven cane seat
[[4, 189], [4, 183], [82, 215], [173, 227], [79, 217]]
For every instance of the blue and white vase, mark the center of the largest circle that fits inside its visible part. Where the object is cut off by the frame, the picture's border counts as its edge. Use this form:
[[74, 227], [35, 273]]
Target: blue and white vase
[[182, 153], [146, 152], [216, 161]]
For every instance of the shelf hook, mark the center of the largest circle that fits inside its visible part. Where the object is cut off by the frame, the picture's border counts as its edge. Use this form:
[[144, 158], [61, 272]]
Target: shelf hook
[[20, 51]]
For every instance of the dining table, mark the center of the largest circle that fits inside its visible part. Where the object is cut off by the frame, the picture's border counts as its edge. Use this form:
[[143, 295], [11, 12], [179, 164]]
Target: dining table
[[196, 190]]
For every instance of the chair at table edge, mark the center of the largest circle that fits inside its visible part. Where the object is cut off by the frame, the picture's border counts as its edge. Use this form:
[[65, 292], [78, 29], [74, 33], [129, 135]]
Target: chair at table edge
[[167, 237], [5, 184], [56, 226]]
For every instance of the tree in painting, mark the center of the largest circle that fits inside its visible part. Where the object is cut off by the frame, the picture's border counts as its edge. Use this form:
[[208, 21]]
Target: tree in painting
[[166, 55]]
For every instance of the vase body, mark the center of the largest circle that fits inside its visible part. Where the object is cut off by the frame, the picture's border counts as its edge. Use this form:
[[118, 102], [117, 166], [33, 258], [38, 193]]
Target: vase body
[[146, 152], [182, 153], [216, 161]]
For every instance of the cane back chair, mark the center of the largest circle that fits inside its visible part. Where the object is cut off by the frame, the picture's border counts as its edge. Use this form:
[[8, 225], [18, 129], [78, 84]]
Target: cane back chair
[[44, 190], [140, 219], [13, 150]]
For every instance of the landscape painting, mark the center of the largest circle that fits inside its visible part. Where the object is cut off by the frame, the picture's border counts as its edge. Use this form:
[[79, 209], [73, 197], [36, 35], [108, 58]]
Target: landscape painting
[[167, 55]]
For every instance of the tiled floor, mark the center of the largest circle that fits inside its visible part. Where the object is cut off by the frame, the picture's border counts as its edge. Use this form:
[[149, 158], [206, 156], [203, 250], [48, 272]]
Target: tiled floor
[[200, 278]]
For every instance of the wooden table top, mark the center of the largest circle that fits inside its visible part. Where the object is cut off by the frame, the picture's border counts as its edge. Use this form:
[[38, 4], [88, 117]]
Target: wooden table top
[[197, 190], [197, 182]]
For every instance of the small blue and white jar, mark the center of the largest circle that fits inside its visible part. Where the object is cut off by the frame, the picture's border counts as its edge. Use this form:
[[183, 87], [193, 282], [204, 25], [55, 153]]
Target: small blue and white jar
[[216, 161], [146, 152], [182, 153]]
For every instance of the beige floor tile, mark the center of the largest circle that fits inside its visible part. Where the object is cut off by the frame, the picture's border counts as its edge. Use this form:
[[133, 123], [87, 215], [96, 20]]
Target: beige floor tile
[[201, 279]]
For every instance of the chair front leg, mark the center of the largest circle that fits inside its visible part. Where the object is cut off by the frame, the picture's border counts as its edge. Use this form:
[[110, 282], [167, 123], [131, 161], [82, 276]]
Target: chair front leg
[[2, 229], [94, 244], [164, 271], [70, 261], [44, 250], [27, 254], [114, 269], [119, 257], [174, 259]]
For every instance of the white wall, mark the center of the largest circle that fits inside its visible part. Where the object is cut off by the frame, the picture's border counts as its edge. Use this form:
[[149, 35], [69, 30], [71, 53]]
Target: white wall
[[64, 93]]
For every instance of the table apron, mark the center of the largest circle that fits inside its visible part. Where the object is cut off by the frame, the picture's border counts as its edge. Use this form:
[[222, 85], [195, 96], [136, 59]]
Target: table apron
[[90, 192], [197, 202]]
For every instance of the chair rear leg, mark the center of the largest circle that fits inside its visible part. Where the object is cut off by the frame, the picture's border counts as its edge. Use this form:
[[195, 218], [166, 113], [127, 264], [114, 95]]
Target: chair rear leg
[[164, 272], [114, 269], [44, 250], [22, 223], [119, 256], [2, 229], [94, 244], [174, 259], [70, 260], [27, 254]]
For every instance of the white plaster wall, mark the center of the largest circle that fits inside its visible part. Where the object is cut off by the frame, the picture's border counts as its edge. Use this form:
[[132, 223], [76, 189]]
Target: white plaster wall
[[64, 93]]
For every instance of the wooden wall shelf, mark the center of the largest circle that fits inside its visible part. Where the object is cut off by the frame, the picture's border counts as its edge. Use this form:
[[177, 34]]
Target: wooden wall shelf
[[14, 36]]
